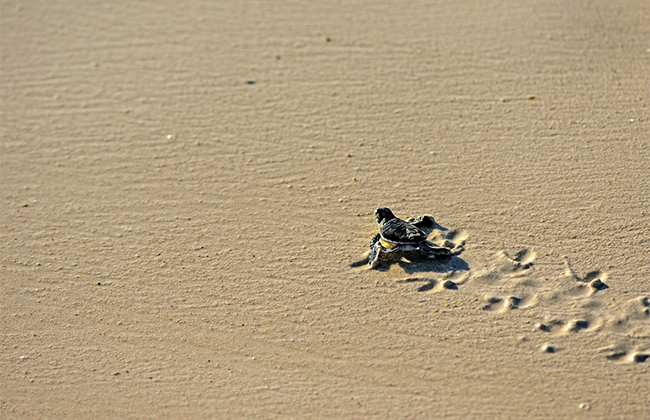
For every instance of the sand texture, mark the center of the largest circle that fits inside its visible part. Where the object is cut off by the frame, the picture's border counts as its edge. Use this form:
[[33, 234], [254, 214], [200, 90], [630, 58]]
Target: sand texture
[[188, 188]]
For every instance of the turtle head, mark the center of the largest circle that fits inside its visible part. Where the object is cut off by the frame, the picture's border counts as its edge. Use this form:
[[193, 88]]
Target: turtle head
[[383, 214]]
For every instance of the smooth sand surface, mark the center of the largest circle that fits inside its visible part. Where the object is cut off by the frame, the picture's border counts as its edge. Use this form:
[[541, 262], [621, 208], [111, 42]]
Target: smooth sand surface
[[188, 188]]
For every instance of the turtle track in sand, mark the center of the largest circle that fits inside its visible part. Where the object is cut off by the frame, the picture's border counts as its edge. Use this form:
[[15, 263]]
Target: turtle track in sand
[[560, 307], [567, 303]]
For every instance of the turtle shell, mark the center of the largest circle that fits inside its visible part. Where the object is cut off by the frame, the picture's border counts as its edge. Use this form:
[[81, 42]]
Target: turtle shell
[[400, 232]]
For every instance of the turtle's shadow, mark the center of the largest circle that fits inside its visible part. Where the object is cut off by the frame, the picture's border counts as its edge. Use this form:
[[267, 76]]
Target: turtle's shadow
[[436, 226], [427, 265], [418, 264], [434, 265]]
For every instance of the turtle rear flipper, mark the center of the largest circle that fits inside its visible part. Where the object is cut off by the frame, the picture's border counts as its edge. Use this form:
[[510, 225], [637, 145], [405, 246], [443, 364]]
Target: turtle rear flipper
[[425, 223]]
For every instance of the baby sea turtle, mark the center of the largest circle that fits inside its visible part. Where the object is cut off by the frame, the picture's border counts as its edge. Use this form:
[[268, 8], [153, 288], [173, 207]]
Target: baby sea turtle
[[397, 238]]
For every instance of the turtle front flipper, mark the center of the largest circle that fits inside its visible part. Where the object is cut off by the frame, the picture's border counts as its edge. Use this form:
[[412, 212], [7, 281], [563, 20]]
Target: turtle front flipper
[[373, 257], [431, 250], [374, 240]]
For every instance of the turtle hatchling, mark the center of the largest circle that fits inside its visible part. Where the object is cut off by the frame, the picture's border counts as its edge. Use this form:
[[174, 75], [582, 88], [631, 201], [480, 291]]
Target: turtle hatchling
[[398, 238]]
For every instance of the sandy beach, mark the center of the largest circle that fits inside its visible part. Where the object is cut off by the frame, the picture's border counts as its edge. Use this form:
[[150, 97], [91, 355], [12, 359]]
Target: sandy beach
[[187, 197]]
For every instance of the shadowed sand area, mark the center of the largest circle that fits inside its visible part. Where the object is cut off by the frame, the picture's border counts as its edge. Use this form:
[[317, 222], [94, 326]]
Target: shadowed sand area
[[186, 187]]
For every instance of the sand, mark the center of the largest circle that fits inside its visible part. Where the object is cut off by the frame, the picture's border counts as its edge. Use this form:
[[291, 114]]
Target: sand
[[188, 188]]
